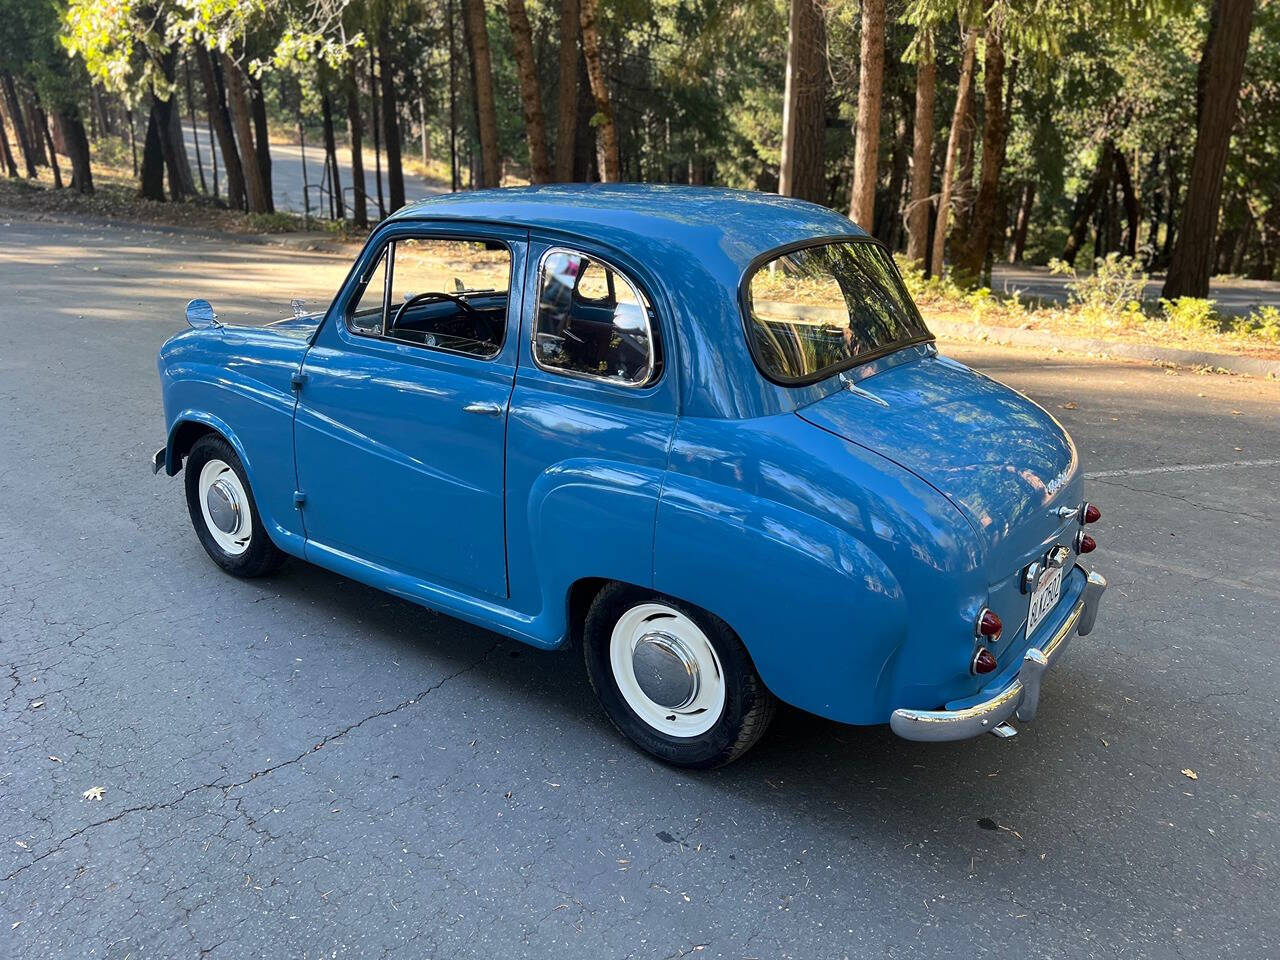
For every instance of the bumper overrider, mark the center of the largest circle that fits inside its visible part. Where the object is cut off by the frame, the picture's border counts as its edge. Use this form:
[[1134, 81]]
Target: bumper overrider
[[1020, 698]]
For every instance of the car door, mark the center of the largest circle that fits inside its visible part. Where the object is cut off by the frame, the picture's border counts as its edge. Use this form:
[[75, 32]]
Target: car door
[[401, 418], [592, 416]]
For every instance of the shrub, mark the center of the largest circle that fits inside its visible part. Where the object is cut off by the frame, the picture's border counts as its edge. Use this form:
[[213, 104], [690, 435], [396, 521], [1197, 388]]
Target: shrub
[[1191, 315], [1263, 322], [1115, 287]]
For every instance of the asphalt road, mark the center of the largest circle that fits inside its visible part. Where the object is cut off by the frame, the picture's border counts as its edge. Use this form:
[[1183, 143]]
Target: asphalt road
[[1232, 297], [287, 174], [305, 767]]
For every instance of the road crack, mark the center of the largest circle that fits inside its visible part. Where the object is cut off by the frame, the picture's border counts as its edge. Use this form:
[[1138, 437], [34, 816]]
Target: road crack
[[226, 788]]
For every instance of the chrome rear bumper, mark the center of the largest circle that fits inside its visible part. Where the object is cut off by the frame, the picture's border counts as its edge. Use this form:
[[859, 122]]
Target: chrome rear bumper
[[1021, 697]]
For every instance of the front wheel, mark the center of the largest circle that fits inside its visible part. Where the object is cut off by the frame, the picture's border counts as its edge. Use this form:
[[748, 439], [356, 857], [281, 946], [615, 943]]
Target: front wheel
[[674, 679], [224, 513]]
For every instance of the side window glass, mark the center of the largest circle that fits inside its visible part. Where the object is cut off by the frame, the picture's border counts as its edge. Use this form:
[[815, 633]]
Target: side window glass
[[592, 321], [445, 294], [366, 318]]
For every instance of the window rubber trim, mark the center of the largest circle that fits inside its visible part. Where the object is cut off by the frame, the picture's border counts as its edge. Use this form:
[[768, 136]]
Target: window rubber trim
[[826, 372], [655, 353]]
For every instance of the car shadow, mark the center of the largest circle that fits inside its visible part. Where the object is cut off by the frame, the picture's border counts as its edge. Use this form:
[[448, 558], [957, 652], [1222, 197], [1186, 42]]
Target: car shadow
[[844, 777]]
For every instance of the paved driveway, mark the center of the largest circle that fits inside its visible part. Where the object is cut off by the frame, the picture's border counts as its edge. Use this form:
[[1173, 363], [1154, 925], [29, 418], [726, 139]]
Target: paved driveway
[[305, 767], [1232, 297], [287, 180]]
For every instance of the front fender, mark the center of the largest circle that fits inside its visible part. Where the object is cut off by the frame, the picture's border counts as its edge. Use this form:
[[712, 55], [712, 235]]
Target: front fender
[[236, 381]]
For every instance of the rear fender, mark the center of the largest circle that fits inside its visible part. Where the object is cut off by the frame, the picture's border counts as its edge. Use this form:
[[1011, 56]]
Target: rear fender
[[822, 616]]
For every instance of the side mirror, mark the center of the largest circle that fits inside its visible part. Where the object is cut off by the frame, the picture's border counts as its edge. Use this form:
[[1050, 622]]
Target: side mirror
[[200, 314]]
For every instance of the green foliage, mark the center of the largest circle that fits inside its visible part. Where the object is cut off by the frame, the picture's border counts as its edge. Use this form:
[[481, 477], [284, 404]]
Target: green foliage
[[1264, 323], [1115, 286], [1190, 315]]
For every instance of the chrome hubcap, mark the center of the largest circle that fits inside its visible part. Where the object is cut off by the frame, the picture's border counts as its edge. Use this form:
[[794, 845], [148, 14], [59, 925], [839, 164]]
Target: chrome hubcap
[[224, 508], [666, 670]]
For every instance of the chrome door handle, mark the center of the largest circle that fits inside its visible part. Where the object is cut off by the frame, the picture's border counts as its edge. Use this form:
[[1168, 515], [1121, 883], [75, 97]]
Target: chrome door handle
[[484, 408]]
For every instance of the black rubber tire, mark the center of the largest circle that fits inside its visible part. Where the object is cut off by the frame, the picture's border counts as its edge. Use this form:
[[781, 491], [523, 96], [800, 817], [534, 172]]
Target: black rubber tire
[[749, 706], [262, 557]]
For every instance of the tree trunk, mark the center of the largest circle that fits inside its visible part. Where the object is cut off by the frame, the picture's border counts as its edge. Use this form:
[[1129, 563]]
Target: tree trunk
[[586, 159], [32, 114], [48, 141], [922, 159], [962, 188], [241, 120], [866, 131], [261, 139], [963, 95], [606, 129], [889, 220], [377, 137], [331, 154], [969, 258], [355, 131], [802, 172], [535, 121], [1132, 212], [152, 175], [486, 110], [1025, 208], [169, 127], [19, 127], [220, 120], [1088, 202], [133, 139], [567, 94], [195, 127], [5, 153], [73, 134], [390, 122], [1221, 68]]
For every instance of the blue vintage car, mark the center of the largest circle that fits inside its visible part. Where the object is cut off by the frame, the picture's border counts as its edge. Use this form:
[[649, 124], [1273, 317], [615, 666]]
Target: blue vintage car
[[704, 433]]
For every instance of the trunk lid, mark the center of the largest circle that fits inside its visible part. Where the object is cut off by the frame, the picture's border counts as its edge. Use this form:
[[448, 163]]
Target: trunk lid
[[1000, 458]]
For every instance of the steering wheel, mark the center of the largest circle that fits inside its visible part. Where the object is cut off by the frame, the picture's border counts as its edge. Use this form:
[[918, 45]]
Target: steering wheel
[[477, 327]]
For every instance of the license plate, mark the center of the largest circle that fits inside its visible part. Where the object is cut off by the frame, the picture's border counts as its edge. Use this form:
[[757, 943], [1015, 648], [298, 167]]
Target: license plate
[[1044, 598]]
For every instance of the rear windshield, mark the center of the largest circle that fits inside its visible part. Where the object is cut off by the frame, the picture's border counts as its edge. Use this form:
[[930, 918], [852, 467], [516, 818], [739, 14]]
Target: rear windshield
[[819, 309]]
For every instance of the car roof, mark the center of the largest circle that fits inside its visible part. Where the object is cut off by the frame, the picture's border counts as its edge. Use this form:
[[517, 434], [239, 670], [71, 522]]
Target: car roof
[[695, 243], [710, 222]]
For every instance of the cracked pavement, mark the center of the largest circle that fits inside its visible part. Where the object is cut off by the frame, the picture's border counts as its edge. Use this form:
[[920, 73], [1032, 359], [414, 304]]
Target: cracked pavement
[[304, 767]]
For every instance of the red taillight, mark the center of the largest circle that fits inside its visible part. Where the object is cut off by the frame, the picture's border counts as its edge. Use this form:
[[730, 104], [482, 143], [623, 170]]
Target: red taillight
[[988, 625], [1085, 544], [1090, 514], [984, 661]]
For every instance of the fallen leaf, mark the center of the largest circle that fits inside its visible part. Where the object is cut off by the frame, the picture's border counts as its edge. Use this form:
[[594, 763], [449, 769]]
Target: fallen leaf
[[1190, 774], [93, 793]]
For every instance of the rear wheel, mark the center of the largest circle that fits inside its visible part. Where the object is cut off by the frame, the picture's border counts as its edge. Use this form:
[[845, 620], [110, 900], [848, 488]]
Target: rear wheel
[[224, 513], [673, 678]]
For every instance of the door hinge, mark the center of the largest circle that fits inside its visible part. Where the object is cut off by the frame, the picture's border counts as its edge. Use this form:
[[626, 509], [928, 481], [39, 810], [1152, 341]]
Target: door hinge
[[299, 498], [296, 380]]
